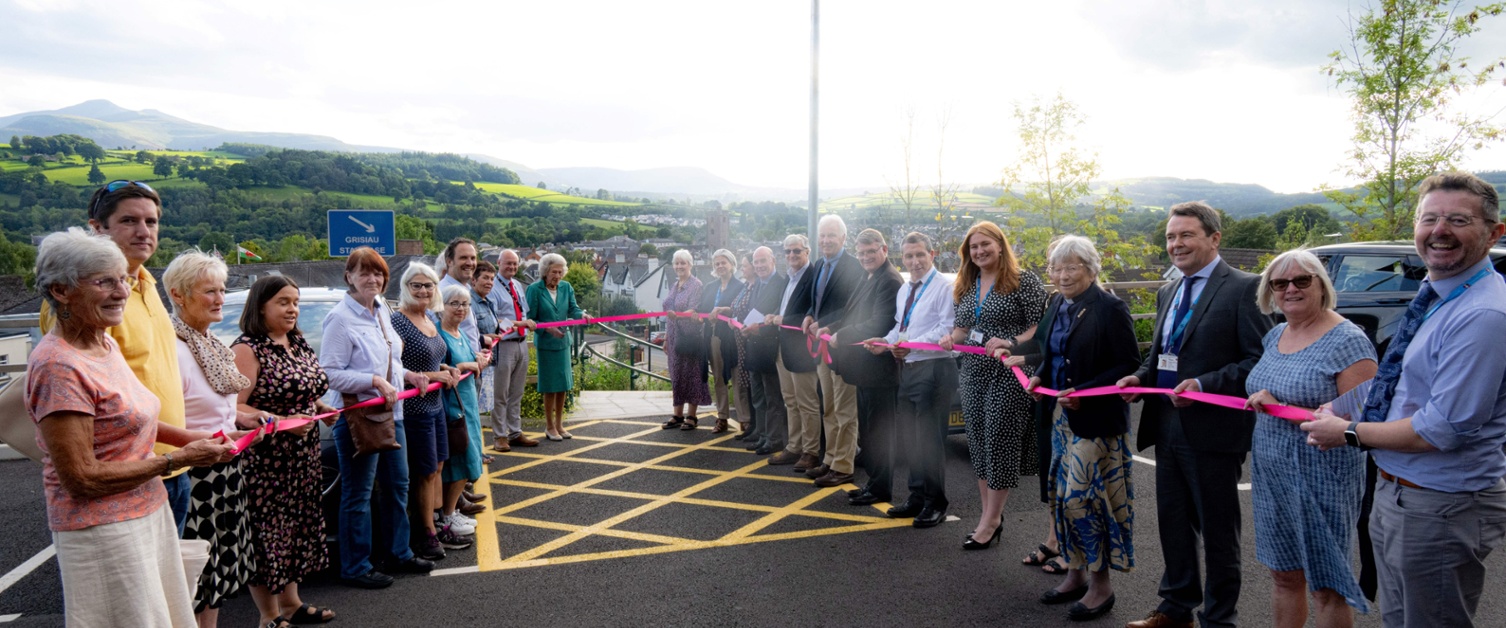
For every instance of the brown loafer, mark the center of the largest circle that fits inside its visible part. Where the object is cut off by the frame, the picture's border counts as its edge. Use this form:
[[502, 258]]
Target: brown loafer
[[806, 463], [469, 509], [817, 471], [1157, 619], [784, 457], [501, 446], [833, 478], [474, 497], [523, 441]]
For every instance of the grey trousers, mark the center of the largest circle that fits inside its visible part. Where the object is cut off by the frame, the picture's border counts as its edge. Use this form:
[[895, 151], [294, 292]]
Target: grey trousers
[[1430, 550], [768, 406], [507, 389]]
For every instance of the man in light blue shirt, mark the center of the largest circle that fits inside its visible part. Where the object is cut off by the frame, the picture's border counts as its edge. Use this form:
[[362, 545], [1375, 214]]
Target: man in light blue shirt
[[1440, 503]]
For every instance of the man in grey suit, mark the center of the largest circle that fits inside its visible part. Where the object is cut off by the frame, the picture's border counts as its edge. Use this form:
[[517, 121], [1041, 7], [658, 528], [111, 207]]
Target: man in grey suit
[[1207, 338]]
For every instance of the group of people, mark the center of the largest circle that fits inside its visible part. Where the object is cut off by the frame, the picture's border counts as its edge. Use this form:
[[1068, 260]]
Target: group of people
[[832, 389], [137, 408]]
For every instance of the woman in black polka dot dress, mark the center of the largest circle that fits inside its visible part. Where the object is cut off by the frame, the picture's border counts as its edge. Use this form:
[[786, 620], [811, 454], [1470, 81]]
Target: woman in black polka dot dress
[[1000, 431]]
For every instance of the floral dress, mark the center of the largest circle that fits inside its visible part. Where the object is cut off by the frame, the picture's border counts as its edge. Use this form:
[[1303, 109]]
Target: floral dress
[[283, 474], [687, 374]]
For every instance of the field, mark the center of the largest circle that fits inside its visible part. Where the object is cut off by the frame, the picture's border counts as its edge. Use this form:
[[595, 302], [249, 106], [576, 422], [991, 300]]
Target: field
[[79, 175], [531, 193], [921, 202]]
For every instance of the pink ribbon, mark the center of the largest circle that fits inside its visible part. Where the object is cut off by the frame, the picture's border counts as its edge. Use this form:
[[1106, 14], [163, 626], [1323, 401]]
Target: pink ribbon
[[1228, 401]]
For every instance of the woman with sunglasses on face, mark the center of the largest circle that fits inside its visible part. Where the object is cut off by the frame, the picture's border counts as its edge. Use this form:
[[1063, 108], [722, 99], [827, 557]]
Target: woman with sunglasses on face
[[1306, 500]]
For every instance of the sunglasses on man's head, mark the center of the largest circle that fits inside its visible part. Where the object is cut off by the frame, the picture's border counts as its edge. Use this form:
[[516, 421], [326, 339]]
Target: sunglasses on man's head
[[113, 187], [1303, 282]]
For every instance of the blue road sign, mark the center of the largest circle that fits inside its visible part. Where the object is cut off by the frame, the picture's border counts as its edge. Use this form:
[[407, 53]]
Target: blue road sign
[[350, 229]]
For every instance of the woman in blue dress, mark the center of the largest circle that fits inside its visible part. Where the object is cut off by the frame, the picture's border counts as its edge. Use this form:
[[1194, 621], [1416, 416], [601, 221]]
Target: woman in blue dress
[[464, 463], [1306, 501]]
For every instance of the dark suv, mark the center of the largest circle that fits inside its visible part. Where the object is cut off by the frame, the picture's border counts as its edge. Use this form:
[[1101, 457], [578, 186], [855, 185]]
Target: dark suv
[[1376, 280]]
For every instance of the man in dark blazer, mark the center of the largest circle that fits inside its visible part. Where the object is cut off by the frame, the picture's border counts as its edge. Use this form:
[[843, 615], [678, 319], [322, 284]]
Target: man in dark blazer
[[870, 314], [1207, 338], [797, 371], [837, 275], [762, 348]]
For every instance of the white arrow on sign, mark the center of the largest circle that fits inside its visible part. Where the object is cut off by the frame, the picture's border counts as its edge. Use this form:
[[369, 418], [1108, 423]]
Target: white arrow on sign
[[369, 228]]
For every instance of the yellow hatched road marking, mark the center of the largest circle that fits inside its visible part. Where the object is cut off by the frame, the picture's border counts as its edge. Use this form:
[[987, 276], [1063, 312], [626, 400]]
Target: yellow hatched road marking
[[489, 557]]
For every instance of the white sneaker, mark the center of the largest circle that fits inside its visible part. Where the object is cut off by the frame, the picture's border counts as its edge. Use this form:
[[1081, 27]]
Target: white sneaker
[[460, 516], [459, 526]]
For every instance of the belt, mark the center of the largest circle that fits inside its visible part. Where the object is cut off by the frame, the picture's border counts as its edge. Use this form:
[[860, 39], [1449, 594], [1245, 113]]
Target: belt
[[1391, 478], [512, 340]]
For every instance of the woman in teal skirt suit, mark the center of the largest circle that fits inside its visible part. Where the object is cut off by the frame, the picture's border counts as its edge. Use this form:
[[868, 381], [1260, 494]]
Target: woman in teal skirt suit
[[549, 300]]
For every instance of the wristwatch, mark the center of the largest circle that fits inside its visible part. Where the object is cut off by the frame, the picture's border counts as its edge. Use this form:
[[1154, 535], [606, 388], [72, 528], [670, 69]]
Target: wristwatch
[[169, 468], [1352, 436]]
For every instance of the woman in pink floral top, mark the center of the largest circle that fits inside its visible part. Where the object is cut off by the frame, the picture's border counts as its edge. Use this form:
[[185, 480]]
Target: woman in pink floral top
[[117, 545]]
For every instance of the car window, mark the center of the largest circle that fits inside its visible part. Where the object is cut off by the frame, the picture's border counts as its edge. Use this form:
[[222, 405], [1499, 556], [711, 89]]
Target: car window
[[310, 321], [1379, 273]]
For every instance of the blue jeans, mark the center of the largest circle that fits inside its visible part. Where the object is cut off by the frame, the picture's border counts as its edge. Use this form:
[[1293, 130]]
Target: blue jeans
[[357, 476], [177, 500]]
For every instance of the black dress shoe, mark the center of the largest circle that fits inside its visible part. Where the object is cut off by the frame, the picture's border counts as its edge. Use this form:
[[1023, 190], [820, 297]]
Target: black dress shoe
[[1052, 596], [930, 517], [414, 565], [370, 580], [753, 444], [767, 449], [864, 498], [907, 510], [1078, 612]]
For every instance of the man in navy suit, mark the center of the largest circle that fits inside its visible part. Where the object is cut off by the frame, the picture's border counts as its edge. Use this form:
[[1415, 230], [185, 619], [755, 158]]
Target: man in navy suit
[[1207, 338], [837, 275]]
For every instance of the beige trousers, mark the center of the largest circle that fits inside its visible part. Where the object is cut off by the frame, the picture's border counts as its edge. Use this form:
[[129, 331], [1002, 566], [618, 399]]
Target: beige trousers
[[803, 407], [127, 573], [719, 383], [839, 419]]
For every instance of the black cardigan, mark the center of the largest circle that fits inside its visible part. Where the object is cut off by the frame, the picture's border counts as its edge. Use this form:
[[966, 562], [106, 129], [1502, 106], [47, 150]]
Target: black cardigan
[[1101, 349]]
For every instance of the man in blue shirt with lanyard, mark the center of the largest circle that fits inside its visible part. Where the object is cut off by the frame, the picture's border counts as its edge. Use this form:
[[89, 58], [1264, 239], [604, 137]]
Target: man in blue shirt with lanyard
[[1435, 417], [1207, 338]]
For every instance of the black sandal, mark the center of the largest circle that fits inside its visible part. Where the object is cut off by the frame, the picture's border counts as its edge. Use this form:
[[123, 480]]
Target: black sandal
[[309, 614], [1054, 566], [278, 622], [1040, 556], [690, 424], [674, 422]]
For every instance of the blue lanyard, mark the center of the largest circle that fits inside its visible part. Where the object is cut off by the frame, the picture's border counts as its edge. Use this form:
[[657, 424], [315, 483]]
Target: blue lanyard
[[916, 301], [1181, 326], [982, 296], [1456, 292], [718, 301]]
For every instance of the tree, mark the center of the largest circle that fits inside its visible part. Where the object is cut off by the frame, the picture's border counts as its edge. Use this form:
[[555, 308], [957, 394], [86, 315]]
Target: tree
[[603, 195], [36, 161], [943, 194], [906, 193], [163, 167], [541, 186], [1402, 71], [95, 176], [1258, 232], [15, 142], [648, 249], [143, 157], [1050, 182]]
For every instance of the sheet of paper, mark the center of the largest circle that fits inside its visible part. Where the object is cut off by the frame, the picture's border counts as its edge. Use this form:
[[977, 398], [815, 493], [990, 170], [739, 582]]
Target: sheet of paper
[[754, 317], [1351, 405]]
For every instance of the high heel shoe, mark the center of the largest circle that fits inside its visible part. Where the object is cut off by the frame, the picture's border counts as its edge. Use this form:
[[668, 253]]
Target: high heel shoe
[[553, 437], [972, 544]]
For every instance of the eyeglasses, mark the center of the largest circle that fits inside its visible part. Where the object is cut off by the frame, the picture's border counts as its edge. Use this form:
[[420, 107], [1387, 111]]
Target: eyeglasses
[[793, 251], [1457, 221], [111, 284], [458, 304], [113, 187], [1302, 282], [420, 286], [1069, 268]]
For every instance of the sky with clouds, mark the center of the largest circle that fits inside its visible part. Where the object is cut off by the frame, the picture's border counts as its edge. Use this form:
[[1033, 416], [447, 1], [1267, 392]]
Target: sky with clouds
[[1215, 89]]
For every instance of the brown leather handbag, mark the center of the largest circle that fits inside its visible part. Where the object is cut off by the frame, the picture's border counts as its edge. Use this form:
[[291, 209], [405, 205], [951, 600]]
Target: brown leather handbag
[[373, 428]]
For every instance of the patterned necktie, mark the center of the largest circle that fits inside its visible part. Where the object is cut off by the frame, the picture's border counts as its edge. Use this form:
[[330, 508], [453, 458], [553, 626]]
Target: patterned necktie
[[909, 303], [1383, 387]]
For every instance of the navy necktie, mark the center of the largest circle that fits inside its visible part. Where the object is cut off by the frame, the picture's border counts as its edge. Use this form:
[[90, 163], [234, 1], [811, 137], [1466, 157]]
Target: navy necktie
[[1173, 344], [1383, 387]]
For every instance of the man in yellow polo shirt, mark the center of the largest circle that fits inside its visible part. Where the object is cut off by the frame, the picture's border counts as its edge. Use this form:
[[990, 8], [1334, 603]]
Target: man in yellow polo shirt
[[128, 212]]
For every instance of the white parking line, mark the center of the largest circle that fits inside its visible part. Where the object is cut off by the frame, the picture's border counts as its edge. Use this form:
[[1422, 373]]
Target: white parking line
[[5, 619], [1243, 486], [24, 569]]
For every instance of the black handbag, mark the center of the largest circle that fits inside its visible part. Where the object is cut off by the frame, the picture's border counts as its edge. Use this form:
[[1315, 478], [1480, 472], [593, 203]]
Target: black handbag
[[458, 433], [690, 342]]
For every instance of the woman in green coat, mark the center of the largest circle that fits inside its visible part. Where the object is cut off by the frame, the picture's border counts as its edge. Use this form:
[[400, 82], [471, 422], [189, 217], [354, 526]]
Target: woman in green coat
[[549, 300]]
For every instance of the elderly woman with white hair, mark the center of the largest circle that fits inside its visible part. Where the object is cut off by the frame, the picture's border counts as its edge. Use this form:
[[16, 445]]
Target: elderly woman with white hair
[[423, 414], [1307, 501], [721, 341], [1085, 339], [217, 513], [684, 345], [117, 545], [552, 299], [462, 409]]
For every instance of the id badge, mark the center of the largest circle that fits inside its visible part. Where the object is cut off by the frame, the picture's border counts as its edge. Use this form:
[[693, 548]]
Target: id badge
[[903, 338], [1166, 362], [975, 337]]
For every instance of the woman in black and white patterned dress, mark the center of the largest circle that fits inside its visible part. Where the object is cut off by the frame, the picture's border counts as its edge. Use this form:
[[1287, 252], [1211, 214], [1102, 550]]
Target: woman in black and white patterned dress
[[1000, 431]]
